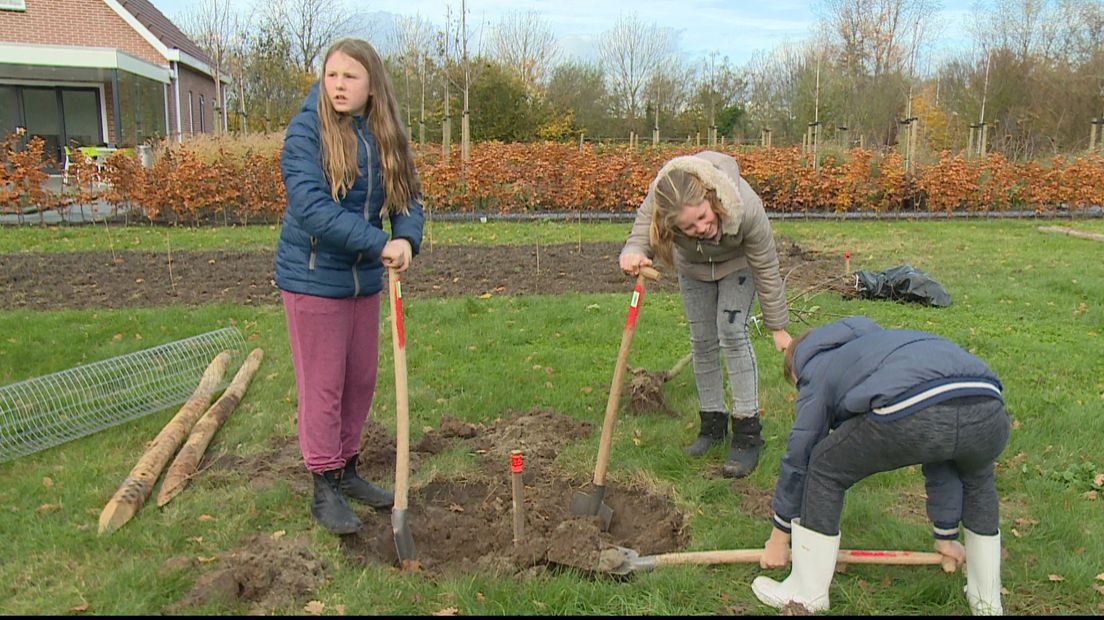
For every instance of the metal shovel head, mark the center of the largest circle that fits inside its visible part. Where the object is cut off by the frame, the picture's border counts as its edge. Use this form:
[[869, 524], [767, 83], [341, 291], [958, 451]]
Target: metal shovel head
[[591, 504], [624, 561], [404, 540]]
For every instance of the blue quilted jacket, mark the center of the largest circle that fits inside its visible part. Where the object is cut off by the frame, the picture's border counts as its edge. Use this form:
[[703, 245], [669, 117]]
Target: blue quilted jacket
[[329, 248], [854, 367]]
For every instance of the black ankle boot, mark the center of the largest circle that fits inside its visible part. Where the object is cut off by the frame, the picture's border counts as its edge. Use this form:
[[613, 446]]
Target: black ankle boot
[[743, 455], [355, 487], [714, 427], [329, 507]]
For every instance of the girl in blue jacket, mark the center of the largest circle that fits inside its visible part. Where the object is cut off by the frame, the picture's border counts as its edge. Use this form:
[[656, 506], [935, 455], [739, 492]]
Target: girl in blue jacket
[[872, 400], [346, 164]]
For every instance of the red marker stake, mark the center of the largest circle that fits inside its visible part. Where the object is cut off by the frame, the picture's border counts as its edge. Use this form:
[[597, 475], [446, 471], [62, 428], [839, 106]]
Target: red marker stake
[[516, 469]]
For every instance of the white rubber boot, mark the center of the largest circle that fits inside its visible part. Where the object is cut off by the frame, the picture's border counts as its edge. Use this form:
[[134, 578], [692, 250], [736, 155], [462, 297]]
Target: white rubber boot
[[813, 564], [983, 578]]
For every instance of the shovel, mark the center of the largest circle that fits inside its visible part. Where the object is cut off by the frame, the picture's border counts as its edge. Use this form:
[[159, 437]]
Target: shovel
[[591, 504], [404, 541], [631, 561]]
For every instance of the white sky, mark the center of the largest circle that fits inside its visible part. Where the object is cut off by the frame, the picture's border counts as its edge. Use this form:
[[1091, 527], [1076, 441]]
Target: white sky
[[734, 28]]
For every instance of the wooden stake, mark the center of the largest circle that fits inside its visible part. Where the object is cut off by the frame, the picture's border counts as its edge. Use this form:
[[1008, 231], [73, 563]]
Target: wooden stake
[[139, 483], [187, 460]]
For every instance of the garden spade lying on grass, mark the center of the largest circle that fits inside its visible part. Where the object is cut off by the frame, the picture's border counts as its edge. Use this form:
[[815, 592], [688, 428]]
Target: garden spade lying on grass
[[404, 541], [591, 504], [623, 561]]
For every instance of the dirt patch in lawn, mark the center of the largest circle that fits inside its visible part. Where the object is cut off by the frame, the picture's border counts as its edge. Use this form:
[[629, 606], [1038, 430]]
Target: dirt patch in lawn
[[459, 523], [127, 279]]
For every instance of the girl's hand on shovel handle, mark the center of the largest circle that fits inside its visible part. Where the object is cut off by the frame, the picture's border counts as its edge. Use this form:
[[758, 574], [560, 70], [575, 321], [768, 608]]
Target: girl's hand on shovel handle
[[776, 553], [632, 262], [954, 554], [396, 254]]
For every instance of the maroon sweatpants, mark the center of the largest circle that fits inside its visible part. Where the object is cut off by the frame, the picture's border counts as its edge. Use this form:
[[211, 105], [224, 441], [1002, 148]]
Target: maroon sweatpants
[[335, 350]]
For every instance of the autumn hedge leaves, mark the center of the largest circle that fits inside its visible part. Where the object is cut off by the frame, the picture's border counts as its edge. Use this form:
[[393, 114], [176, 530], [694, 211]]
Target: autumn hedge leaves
[[189, 186]]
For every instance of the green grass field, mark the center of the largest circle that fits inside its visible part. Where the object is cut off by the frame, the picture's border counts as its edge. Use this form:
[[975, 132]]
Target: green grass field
[[1030, 304]]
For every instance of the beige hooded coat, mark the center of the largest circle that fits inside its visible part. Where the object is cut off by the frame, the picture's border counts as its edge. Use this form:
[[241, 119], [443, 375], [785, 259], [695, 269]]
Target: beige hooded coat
[[745, 238]]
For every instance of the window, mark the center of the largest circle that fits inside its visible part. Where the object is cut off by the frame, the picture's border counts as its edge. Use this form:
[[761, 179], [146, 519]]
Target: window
[[191, 123], [202, 116], [13, 5]]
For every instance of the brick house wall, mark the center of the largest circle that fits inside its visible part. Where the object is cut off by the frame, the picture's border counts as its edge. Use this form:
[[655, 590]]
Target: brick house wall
[[85, 23], [92, 23], [198, 85]]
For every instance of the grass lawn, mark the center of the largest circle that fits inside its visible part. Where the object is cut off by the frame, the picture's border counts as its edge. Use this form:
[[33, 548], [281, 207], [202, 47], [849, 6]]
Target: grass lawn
[[1030, 304]]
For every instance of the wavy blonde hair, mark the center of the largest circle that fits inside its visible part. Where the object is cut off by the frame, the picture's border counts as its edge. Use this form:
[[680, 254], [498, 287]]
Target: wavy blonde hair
[[673, 191], [339, 140]]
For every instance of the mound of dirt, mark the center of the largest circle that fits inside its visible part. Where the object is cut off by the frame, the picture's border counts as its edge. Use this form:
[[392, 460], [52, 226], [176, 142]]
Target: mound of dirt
[[267, 573]]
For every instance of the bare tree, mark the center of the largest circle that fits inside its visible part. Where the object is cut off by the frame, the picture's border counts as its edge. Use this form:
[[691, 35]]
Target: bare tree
[[875, 37], [312, 25], [525, 45], [215, 28], [630, 52]]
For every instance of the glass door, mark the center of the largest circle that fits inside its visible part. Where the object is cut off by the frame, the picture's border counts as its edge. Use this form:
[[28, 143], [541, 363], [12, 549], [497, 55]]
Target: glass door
[[9, 111], [42, 113], [81, 109]]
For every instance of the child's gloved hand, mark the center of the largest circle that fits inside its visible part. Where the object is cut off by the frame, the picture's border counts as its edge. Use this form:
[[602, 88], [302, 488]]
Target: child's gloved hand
[[954, 554]]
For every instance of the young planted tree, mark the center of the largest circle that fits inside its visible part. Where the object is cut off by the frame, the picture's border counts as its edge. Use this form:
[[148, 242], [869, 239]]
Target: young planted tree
[[412, 43]]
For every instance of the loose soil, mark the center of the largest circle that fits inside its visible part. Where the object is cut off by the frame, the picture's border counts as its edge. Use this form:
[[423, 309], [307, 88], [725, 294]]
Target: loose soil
[[127, 279], [458, 523]]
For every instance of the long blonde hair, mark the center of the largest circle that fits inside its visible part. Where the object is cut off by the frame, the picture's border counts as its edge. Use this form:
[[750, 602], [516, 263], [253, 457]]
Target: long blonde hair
[[339, 141], [673, 191]]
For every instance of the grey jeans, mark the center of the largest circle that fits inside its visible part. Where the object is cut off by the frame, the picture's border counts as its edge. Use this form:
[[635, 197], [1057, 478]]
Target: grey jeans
[[956, 442], [718, 316]]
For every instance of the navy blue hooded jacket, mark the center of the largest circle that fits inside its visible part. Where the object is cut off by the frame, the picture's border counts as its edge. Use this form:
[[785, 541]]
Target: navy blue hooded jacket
[[329, 248], [854, 367]]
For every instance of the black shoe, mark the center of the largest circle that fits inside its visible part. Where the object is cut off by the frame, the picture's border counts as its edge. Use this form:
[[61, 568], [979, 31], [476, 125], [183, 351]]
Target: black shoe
[[329, 507], [714, 427], [355, 487], [743, 455]]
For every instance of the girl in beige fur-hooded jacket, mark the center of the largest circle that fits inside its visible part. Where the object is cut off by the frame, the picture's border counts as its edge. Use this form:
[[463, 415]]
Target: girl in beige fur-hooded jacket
[[720, 273], [746, 238]]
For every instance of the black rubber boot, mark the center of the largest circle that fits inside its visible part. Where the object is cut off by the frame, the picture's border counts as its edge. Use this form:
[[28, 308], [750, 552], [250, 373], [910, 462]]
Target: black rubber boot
[[329, 507], [714, 427], [743, 455], [355, 487]]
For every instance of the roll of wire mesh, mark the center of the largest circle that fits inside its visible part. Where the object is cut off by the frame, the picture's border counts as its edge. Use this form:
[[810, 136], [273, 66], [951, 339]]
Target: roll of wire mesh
[[46, 411]]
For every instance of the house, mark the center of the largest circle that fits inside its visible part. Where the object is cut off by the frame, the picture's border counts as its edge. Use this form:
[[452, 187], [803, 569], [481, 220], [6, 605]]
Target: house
[[108, 73]]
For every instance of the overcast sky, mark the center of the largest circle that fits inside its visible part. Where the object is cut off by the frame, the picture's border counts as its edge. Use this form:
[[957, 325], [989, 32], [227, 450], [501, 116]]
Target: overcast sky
[[734, 28]]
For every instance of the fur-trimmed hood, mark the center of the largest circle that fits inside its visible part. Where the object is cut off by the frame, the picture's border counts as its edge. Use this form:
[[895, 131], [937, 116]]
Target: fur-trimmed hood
[[717, 172], [746, 240]]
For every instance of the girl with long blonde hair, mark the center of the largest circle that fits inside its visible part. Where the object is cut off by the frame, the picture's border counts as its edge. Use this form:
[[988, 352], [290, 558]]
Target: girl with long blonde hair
[[703, 220], [346, 164]]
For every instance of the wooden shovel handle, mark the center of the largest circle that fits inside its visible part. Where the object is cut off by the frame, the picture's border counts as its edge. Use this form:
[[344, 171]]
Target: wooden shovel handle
[[619, 375], [845, 556], [402, 415]]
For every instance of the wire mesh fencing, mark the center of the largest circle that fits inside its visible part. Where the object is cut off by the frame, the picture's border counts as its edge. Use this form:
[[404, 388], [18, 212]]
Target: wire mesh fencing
[[53, 409]]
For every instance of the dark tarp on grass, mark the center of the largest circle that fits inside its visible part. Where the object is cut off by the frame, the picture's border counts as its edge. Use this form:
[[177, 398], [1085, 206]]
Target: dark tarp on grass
[[903, 283]]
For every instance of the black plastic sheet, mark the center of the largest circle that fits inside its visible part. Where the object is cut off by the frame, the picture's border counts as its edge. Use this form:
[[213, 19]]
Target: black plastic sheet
[[904, 283]]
